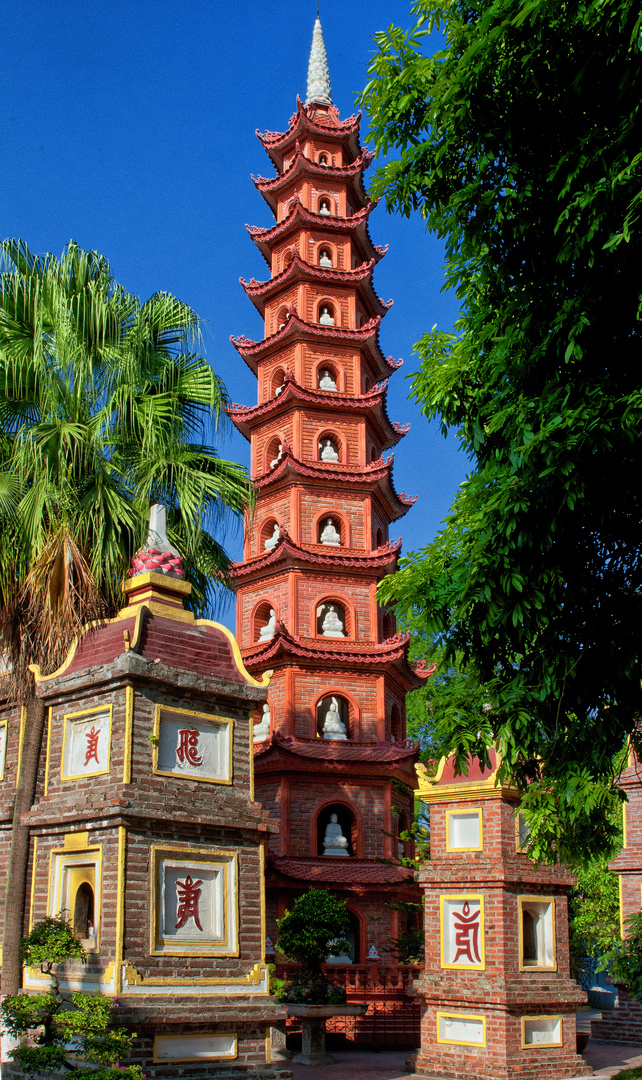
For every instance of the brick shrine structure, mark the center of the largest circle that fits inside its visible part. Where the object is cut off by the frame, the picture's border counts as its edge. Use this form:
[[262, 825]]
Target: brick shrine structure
[[146, 830], [498, 997], [317, 543], [624, 1023]]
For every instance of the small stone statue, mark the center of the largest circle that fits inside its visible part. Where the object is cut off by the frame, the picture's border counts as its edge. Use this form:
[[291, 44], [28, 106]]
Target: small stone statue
[[329, 534], [333, 726], [373, 954], [262, 729], [267, 631], [328, 451], [324, 207], [326, 382], [278, 457], [324, 259], [325, 316], [272, 540], [334, 842], [332, 625]]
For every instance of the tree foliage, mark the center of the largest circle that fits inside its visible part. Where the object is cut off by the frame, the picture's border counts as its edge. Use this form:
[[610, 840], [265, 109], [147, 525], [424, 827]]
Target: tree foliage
[[72, 1032], [594, 917], [626, 958], [314, 928], [519, 143]]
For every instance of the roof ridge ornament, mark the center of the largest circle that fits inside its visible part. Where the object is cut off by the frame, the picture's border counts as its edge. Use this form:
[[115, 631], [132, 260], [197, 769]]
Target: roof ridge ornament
[[319, 90]]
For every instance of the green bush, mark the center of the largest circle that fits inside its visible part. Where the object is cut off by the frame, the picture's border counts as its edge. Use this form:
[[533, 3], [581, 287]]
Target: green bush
[[315, 927], [629, 1074], [626, 958]]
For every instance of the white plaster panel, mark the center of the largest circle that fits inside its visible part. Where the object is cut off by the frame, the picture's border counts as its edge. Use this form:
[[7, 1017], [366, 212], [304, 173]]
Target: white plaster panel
[[542, 1031], [463, 830], [456, 1029], [86, 750], [195, 1047], [194, 747], [197, 905], [463, 932]]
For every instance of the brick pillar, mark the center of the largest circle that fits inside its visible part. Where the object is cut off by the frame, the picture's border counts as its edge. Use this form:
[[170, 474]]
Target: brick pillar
[[624, 1024], [498, 998]]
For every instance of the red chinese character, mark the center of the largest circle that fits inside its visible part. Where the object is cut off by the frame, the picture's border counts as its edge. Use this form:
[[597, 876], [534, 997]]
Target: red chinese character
[[188, 894], [187, 749], [92, 745], [466, 926]]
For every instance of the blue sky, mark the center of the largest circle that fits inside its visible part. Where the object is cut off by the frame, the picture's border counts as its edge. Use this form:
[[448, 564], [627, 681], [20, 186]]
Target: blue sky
[[129, 127]]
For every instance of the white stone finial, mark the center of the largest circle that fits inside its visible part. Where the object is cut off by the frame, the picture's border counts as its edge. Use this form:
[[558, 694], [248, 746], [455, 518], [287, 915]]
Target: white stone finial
[[318, 74], [157, 532]]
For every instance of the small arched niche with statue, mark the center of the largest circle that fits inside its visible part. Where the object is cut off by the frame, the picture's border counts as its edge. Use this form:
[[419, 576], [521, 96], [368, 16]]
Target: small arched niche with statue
[[336, 831], [331, 619], [333, 719], [263, 621]]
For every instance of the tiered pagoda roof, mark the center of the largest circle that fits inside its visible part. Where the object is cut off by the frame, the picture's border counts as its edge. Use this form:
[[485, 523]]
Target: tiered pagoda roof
[[359, 278], [286, 551], [314, 123]]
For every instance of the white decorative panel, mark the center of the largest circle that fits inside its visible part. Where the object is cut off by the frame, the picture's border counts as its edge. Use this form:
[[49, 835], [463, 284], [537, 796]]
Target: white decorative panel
[[469, 1030], [3, 748], [196, 903], [542, 1031], [462, 931], [195, 1047], [464, 830], [86, 743], [194, 746]]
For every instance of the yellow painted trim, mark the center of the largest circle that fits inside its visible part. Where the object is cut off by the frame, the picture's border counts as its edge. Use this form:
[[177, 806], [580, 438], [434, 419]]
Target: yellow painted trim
[[461, 897], [33, 881], [461, 1016], [455, 813], [151, 577], [23, 718], [129, 728], [3, 724], [431, 790], [48, 754], [65, 857], [198, 855], [262, 897], [98, 710], [199, 1035], [521, 900], [251, 748], [236, 650], [539, 1045], [253, 978], [268, 1047], [619, 881], [201, 716], [76, 841], [120, 894], [623, 825]]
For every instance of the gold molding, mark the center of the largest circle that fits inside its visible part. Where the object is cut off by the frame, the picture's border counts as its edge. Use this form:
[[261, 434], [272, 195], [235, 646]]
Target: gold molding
[[224, 858], [461, 1016], [255, 977], [542, 1045], [129, 728]]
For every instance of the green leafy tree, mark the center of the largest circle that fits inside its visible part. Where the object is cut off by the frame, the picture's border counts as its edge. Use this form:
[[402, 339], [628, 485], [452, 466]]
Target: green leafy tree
[[519, 144], [625, 958], [71, 1032], [594, 918], [104, 409], [314, 928]]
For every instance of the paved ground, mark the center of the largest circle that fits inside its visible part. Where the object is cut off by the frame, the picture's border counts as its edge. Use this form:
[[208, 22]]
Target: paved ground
[[389, 1064]]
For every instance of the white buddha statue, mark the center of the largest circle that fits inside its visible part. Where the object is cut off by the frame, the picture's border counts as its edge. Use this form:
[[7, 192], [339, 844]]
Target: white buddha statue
[[328, 451], [326, 318], [332, 625], [326, 382], [267, 631], [333, 726], [278, 457], [324, 258], [329, 534], [324, 207], [272, 540], [334, 842], [262, 729]]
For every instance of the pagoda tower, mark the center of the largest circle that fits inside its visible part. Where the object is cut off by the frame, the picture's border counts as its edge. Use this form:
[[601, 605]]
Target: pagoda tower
[[332, 761]]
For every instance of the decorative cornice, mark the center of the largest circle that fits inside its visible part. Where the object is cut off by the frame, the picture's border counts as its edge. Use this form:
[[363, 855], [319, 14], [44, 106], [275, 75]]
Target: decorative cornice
[[332, 558], [298, 269], [325, 222], [245, 417], [349, 872], [302, 164], [308, 119], [336, 750]]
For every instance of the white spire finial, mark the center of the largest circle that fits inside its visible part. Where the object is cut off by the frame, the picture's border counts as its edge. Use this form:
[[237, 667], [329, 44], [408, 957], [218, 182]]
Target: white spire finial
[[318, 74]]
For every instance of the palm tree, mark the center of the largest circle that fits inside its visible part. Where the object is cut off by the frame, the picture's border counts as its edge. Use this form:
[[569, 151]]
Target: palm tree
[[104, 410]]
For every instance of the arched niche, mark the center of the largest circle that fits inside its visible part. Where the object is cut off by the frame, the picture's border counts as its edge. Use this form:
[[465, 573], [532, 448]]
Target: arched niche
[[324, 525], [277, 379], [325, 705], [379, 538], [268, 535], [355, 937], [349, 822], [325, 206], [395, 724], [324, 159], [326, 373], [388, 625], [83, 911], [330, 448], [273, 452], [330, 617], [374, 455], [281, 319], [325, 256], [261, 617], [326, 313]]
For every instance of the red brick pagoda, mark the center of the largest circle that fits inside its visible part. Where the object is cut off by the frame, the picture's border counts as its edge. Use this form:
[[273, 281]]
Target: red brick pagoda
[[332, 761]]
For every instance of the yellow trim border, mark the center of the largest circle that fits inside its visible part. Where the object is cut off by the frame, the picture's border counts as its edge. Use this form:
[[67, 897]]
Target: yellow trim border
[[461, 1016], [521, 901], [97, 710], [541, 1045], [4, 729], [461, 813], [59, 858], [224, 858], [462, 898]]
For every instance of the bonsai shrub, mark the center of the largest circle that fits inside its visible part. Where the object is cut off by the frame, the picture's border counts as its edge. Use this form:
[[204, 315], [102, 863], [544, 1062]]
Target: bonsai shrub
[[626, 958], [315, 927], [61, 1032]]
